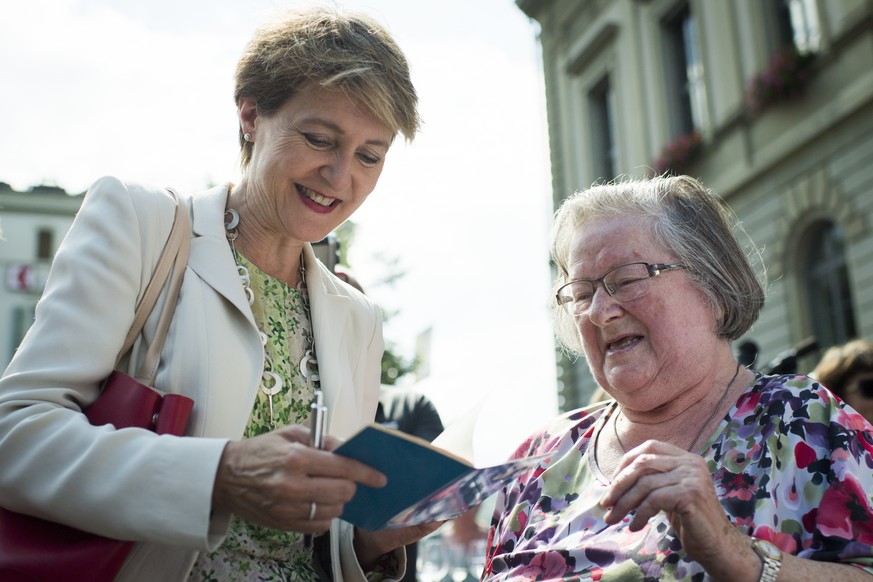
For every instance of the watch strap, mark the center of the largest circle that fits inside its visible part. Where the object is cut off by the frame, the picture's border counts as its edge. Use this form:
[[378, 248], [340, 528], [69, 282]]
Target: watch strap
[[771, 557]]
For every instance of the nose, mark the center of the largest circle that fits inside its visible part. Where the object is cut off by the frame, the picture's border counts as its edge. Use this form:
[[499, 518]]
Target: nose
[[604, 307], [338, 171]]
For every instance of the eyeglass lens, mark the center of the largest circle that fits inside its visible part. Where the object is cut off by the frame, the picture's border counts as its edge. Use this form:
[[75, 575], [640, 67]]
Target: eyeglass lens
[[626, 282]]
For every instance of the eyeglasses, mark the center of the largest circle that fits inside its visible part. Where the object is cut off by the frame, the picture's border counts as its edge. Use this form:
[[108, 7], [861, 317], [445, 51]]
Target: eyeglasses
[[624, 283], [865, 388]]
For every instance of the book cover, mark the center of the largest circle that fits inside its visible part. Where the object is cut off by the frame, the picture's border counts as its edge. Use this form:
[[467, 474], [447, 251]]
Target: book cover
[[425, 483]]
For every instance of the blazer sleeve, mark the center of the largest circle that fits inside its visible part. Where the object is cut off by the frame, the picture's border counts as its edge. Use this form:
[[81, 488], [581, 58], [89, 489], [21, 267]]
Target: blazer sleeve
[[129, 483]]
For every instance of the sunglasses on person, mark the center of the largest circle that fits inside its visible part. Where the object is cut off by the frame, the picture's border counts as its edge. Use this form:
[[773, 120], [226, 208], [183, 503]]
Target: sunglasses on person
[[865, 388]]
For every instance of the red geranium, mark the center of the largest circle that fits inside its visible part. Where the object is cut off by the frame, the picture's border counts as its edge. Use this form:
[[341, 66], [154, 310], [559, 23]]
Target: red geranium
[[784, 79], [676, 156]]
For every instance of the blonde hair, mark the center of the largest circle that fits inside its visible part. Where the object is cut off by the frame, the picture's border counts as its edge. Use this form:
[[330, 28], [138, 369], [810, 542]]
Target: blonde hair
[[840, 363], [332, 49]]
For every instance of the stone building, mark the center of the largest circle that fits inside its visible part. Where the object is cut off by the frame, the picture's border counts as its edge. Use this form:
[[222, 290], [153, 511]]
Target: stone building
[[33, 224], [768, 102]]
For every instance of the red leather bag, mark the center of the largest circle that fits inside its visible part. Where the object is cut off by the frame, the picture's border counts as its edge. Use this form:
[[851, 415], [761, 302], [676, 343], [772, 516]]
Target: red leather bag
[[33, 549]]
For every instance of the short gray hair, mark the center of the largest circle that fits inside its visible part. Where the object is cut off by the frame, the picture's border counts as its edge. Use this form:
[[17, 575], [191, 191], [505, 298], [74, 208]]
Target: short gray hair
[[685, 218]]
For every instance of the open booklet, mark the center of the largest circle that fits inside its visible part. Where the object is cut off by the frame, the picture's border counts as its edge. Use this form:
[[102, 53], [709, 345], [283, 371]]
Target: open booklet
[[425, 483]]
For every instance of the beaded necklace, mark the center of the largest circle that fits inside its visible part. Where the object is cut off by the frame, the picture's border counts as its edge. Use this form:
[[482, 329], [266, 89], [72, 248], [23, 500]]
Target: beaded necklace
[[271, 383]]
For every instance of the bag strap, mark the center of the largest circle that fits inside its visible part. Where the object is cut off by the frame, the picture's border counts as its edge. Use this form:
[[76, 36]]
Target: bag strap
[[171, 264]]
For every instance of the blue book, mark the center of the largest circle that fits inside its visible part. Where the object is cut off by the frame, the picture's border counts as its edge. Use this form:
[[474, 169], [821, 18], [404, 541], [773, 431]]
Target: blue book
[[425, 483]]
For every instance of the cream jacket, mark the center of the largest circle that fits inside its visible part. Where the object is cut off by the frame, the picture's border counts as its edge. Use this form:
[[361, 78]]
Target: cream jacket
[[133, 484]]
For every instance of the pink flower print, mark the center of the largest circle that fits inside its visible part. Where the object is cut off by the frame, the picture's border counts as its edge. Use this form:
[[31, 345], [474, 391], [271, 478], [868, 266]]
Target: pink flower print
[[844, 510], [546, 566], [783, 541], [804, 455], [522, 522]]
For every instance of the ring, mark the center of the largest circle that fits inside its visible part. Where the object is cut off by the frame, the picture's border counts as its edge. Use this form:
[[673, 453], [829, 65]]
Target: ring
[[312, 508]]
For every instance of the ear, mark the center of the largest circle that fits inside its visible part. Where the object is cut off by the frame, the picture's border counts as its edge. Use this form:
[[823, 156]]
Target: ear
[[247, 111]]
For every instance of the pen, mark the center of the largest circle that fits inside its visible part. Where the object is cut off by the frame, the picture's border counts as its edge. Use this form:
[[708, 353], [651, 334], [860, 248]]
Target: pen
[[317, 426], [317, 423]]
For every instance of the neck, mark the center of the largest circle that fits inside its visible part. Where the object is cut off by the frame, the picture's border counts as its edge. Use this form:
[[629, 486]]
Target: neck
[[276, 255], [687, 426], [274, 258]]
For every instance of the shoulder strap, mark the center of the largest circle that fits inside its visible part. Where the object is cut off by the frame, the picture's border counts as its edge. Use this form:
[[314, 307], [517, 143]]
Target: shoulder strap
[[171, 264]]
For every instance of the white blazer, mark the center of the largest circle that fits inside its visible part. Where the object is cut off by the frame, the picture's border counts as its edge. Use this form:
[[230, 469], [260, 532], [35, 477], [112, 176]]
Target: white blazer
[[133, 484]]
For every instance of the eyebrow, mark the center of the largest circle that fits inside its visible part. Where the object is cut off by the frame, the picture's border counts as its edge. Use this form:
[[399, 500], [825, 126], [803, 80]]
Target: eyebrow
[[334, 127]]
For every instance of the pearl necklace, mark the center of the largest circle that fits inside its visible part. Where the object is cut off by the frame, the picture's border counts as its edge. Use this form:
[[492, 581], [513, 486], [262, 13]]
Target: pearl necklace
[[271, 382]]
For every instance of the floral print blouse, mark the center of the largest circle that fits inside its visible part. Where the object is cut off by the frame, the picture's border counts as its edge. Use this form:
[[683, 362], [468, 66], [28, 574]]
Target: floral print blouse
[[252, 552], [790, 462]]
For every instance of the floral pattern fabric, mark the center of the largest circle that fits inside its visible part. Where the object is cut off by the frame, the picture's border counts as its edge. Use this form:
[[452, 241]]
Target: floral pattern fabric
[[252, 552], [790, 463]]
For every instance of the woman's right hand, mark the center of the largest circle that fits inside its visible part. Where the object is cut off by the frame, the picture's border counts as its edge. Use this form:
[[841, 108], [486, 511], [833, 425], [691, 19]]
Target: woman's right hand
[[272, 480]]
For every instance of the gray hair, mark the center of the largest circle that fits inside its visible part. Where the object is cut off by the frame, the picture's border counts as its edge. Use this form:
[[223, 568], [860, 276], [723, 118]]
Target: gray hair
[[330, 48], [686, 219]]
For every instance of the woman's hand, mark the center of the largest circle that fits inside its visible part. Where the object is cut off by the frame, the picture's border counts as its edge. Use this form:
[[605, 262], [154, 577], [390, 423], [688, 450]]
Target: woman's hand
[[273, 479], [658, 476], [371, 545]]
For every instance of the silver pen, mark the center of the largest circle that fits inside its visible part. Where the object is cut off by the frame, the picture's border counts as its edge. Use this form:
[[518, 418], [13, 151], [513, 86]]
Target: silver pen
[[317, 427], [318, 421]]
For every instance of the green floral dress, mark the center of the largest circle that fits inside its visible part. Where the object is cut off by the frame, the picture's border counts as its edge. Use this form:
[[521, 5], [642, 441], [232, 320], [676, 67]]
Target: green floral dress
[[252, 552]]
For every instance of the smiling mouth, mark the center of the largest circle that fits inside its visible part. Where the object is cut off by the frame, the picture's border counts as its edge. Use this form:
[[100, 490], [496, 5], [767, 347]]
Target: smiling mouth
[[316, 197], [623, 343]]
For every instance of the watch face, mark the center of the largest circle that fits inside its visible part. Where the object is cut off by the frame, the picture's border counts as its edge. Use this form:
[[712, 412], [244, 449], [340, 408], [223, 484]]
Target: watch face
[[769, 549]]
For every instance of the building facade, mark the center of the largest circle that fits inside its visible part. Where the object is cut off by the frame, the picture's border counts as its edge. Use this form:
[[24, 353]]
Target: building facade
[[768, 102], [33, 224]]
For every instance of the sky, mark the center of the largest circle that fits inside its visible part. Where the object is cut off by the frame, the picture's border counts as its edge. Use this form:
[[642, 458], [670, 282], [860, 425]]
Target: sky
[[143, 91]]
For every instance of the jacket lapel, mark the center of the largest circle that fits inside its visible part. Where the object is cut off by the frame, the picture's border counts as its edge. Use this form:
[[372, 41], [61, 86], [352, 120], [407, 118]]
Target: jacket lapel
[[212, 260], [330, 312], [211, 257]]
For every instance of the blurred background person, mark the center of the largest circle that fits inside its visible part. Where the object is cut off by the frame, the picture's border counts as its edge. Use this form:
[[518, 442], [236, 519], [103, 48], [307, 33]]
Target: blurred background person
[[848, 371]]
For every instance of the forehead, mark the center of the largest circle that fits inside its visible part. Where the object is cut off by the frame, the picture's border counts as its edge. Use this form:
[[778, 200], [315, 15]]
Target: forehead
[[335, 110], [601, 244]]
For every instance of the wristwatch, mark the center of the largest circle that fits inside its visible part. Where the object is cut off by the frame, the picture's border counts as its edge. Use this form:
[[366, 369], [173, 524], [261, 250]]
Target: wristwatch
[[772, 558]]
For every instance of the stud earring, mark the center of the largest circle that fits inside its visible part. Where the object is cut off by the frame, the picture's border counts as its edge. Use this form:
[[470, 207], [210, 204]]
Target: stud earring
[[247, 136]]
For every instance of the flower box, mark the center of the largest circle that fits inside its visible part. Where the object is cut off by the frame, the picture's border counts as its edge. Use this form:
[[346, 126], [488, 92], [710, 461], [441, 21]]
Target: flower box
[[784, 79], [679, 154]]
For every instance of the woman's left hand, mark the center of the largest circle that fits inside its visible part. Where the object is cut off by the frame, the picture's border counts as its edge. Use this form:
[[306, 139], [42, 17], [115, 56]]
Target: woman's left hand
[[658, 476], [371, 545]]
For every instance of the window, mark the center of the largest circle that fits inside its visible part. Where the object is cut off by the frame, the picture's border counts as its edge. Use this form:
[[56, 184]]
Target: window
[[602, 121], [44, 244], [22, 319], [686, 89], [796, 24], [829, 297]]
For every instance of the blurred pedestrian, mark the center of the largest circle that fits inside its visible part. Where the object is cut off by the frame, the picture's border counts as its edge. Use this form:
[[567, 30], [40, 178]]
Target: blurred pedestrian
[[847, 370]]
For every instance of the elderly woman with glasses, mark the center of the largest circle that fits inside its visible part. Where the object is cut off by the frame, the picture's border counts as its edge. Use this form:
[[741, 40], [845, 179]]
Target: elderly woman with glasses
[[695, 468]]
